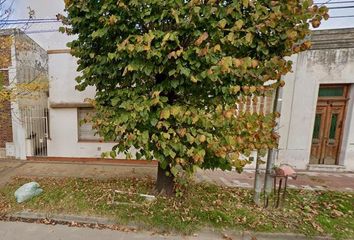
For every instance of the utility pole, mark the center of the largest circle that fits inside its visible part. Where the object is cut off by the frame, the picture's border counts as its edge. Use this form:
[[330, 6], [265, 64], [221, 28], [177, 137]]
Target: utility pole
[[268, 180], [257, 182]]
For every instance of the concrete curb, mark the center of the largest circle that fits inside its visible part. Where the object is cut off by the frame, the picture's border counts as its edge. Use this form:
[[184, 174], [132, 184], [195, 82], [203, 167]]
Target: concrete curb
[[108, 223], [62, 218]]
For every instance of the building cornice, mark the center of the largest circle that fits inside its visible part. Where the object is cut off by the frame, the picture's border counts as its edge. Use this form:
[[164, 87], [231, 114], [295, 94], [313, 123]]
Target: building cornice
[[58, 51], [332, 39], [70, 105]]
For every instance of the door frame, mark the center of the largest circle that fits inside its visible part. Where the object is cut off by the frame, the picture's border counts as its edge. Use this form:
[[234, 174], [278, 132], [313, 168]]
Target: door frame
[[345, 98]]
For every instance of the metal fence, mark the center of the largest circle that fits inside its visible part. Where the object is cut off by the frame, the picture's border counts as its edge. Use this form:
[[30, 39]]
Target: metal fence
[[36, 124]]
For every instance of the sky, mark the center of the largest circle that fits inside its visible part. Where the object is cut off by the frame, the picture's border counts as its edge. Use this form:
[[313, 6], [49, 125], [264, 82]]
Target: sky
[[347, 9], [344, 9]]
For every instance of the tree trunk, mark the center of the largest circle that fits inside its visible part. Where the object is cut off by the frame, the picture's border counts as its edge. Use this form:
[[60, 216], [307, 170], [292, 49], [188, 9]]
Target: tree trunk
[[165, 184]]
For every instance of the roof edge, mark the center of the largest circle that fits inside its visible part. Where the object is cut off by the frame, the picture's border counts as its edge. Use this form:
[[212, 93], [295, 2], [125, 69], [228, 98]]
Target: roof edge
[[332, 38]]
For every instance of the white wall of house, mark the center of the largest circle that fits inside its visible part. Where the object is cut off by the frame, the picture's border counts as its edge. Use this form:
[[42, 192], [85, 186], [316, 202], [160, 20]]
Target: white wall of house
[[62, 74], [64, 140]]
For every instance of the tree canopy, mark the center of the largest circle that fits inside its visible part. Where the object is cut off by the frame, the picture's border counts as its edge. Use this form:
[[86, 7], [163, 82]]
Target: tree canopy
[[169, 73]]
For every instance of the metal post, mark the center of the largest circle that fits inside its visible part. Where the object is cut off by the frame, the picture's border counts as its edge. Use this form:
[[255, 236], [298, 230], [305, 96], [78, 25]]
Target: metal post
[[257, 182], [270, 159]]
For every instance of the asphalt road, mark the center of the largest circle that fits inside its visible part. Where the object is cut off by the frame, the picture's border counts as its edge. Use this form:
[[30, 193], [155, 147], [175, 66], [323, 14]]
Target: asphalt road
[[34, 231]]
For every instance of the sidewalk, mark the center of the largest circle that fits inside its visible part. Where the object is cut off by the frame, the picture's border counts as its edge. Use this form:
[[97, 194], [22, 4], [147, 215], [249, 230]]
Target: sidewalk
[[306, 180], [31, 231]]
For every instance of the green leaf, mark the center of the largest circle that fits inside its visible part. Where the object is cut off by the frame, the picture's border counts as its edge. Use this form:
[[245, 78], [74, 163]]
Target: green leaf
[[145, 137], [110, 56], [112, 154], [174, 171], [114, 101], [99, 33], [185, 71], [153, 122]]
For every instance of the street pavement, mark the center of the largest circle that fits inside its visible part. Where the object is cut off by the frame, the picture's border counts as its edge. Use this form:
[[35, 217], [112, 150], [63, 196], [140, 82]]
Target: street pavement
[[34, 231]]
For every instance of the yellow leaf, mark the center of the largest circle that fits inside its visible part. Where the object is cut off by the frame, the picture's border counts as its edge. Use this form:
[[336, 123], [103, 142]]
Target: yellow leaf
[[239, 23], [253, 89], [254, 63], [222, 23], [237, 62], [165, 114], [202, 138], [122, 4], [112, 20], [217, 48], [175, 110], [172, 55], [245, 3], [249, 37], [175, 15], [235, 89], [165, 38], [179, 52], [201, 38], [194, 79], [231, 37]]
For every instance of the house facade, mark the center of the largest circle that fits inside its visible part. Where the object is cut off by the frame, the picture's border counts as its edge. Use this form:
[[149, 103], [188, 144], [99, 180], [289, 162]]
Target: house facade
[[22, 120], [317, 111], [317, 105]]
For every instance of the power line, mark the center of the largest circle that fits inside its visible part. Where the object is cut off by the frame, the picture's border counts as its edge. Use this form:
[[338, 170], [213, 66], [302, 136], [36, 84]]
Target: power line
[[330, 2], [342, 7], [33, 22], [348, 16], [30, 19], [42, 31], [326, 2], [24, 23]]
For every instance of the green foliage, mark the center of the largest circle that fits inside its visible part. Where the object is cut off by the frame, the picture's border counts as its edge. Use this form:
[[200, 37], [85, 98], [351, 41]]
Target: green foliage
[[169, 72]]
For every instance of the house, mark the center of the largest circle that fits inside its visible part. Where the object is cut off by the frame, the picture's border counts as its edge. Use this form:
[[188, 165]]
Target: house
[[25, 61], [316, 106]]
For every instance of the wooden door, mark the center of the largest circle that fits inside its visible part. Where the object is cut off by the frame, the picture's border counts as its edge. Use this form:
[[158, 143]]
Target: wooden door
[[333, 133], [327, 132], [318, 135]]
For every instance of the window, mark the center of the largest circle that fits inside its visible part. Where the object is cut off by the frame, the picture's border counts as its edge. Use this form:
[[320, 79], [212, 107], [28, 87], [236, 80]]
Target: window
[[332, 130], [331, 91], [85, 131], [316, 129]]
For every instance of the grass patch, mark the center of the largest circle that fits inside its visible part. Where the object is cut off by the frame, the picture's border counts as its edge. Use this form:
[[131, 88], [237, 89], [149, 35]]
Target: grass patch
[[205, 205]]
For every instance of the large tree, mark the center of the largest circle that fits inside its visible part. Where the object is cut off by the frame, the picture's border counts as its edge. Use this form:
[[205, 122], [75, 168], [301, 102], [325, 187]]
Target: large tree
[[169, 72]]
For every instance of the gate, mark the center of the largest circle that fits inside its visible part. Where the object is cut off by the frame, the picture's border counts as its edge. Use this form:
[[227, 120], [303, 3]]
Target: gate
[[37, 130]]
